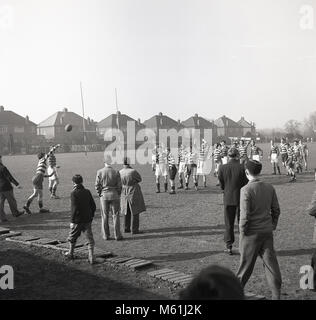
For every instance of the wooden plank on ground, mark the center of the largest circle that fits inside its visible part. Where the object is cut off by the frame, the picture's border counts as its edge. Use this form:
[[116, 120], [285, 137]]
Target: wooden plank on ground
[[143, 264], [26, 238], [159, 271], [46, 241], [4, 230], [10, 235]]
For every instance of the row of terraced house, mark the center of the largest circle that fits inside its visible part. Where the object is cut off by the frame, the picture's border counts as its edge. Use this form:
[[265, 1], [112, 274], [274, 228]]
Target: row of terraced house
[[19, 134]]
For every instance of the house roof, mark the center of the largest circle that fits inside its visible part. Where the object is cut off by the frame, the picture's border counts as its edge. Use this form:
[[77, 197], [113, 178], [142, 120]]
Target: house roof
[[11, 118], [111, 121], [61, 118], [244, 123], [162, 121], [198, 122], [226, 122]]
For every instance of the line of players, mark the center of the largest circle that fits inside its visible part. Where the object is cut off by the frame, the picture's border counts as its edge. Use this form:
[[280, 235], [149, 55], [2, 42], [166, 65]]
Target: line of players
[[192, 163]]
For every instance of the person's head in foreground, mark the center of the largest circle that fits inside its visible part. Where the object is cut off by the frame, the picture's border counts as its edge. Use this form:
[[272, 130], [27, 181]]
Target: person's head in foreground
[[253, 169], [233, 153], [107, 159], [77, 179], [213, 283]]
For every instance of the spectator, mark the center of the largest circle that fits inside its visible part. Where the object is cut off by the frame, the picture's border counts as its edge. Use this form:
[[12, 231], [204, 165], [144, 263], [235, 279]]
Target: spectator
[[82, 212], [232, 178], [132, 200], [213, 283], [6, 192], [108, 186], [259, 214]]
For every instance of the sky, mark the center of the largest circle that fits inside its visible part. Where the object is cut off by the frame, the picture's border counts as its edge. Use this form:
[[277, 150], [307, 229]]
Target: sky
[[251, 58]]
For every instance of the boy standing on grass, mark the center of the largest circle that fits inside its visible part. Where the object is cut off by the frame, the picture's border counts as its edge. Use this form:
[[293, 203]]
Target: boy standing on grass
[[38, 179], [82, 213], [53, 180]]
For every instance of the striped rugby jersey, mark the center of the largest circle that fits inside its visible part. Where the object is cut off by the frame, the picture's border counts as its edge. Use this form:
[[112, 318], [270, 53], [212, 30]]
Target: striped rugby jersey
[[191, 158], [255, 150], [42, 165], [162, 157], [274, 149], [52, 160], [182, 155], [243, 150], [283, 148], [224, 150], [217, 154], [291, 154], [203, 152], [171, 160], [297, 149]]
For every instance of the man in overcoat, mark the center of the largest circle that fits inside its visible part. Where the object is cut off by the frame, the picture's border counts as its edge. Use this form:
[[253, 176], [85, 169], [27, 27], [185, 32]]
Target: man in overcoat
[[132, 200]]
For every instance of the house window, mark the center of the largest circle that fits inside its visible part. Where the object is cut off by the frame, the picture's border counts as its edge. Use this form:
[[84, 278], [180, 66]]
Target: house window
[[19, 129], [3, 129]]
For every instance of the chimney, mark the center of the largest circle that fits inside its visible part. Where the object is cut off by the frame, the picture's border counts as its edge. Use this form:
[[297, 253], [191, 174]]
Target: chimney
[[1, 108], [179, 121], [196, 115], [65, 110], [27, 119], [118, 113], [160, 114], [138, 121]]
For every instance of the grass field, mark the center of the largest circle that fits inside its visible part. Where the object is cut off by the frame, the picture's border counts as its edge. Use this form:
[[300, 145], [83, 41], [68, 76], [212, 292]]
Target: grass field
[[184, 231]]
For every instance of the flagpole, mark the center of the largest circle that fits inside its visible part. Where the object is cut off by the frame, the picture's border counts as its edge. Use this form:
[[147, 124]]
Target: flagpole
[[83, 120], [117, 110]]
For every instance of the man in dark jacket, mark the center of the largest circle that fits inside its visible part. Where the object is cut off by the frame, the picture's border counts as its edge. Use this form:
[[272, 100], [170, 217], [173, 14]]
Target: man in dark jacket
[[232, 178], [82, 212], [6, 192]]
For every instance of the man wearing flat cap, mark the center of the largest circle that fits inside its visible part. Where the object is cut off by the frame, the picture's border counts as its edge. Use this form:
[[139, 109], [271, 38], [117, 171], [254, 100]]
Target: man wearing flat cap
[[232, 178], [259, 215], [132, 200]]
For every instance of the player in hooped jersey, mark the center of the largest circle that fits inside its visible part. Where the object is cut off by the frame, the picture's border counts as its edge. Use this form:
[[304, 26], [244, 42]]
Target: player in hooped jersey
[[217, 157], [243, 151], [172, 171], [181, 165], [204, 149], [224, 151], [256, 153], [161, 168], [297, 156], [274, 154], [283, 151], [191, 168], [290, 162], [38, 179]]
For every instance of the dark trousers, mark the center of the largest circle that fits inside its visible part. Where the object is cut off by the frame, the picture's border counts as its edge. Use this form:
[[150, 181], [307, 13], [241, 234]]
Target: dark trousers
[[230, 213], [252, 246], [9, 196], [131, 221]]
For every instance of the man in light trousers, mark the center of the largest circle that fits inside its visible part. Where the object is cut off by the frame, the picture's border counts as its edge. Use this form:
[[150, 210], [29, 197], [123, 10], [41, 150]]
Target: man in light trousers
[[108, 186], [259, 214]]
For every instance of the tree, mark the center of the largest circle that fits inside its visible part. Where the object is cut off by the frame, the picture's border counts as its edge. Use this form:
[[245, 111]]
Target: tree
[[292, 128], [309, 127]]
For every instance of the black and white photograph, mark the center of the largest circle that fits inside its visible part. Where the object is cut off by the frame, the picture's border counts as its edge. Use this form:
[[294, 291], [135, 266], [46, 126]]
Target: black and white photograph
[[158, 150]]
